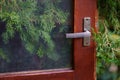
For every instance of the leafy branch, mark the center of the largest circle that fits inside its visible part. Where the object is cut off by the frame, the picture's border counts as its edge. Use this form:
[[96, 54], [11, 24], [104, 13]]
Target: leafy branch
[[108, 37], [33, 21]]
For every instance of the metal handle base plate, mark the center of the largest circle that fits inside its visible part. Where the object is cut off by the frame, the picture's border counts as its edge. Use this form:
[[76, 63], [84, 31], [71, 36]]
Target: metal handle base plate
[[85, 35]]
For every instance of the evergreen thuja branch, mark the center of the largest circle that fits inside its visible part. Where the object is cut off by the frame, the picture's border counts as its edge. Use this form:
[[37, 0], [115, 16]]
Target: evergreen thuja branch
[[108, 41], [33, 23]]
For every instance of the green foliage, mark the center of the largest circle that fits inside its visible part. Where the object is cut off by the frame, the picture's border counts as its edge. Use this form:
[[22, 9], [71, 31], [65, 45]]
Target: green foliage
[[108, 37], [3, 56], [34, 21], [110, 11]]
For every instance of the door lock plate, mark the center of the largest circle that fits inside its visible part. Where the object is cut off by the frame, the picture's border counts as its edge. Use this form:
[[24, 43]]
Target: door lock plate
[[85, 35], [87, 26]]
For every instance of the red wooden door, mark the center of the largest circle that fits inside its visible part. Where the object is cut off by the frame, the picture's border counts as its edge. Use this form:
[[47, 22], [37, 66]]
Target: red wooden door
[[84, 60]]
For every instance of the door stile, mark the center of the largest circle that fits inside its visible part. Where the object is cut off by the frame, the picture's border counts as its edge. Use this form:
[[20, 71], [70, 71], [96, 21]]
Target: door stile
[[85, 57]]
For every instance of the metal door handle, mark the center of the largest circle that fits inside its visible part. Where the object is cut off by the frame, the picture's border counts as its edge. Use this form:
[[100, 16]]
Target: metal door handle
[[85, 35], [79, 35]]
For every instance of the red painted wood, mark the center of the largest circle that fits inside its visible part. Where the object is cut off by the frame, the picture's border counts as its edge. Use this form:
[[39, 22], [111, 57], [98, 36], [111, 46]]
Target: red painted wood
[[84, 57], [63, 74]]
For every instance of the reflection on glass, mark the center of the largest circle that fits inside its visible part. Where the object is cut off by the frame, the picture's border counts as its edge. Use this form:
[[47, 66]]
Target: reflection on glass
[[32, 35]]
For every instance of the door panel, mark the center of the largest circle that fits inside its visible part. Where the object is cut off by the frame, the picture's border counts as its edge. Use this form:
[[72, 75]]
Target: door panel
[[83, 58], [43, 44]]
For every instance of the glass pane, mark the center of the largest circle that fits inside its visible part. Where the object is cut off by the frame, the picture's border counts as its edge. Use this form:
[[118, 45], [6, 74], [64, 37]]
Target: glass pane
[[32, 35]]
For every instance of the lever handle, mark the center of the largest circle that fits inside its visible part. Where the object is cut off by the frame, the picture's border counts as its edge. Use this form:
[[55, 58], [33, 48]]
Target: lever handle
[[85, 35], [78, 35]]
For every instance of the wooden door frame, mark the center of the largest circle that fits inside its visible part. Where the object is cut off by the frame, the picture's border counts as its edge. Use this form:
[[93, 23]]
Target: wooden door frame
[[84, 57]]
